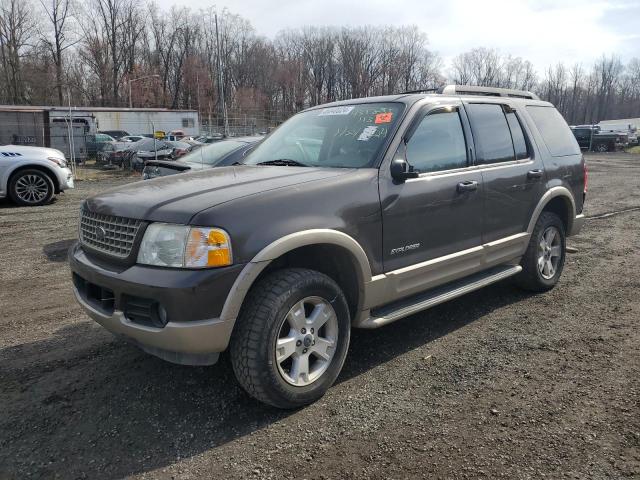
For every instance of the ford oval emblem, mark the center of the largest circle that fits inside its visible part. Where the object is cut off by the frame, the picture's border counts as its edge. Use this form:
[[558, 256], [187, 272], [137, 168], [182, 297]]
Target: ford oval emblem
[[100, 233]]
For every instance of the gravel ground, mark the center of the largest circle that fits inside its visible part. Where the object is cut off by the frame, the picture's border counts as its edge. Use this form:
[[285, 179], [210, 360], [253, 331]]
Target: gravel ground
[[496, 384]]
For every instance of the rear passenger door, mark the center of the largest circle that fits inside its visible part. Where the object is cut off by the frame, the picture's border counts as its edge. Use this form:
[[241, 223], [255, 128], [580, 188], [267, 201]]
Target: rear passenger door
[[513, 176]]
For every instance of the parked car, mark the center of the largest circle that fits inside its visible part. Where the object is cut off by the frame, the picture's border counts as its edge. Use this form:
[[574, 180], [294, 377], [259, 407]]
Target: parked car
[[96, 143], [219, 154], [216, 137], [114, 153], [590, 137], [179, 148], [150, 148], [132, 138], [116, 134], [352, 214], [31, 176]]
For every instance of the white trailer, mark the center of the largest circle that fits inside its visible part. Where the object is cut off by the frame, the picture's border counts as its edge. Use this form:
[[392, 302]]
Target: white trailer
[[146, 120], [630, 126], [626, 122]]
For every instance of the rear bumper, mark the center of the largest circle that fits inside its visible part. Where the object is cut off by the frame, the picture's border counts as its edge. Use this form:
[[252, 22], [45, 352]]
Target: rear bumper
[[127, 302], [578, 222]]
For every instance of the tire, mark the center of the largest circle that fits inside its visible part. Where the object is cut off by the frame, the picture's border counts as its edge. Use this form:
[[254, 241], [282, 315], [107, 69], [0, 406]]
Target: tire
[[271, 308], [541, 269], [31, 188], [602, 147]]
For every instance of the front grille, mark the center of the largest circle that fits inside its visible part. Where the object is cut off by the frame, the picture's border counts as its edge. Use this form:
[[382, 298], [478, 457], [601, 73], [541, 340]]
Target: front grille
[[107, 233]]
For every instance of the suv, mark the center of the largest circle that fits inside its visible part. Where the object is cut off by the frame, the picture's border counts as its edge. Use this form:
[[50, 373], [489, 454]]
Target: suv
[[352, 214], [97, 142], [31, 176]]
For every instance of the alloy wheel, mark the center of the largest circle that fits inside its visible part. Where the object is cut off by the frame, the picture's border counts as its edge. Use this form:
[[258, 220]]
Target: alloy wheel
[[307, 341], [549, 252], [31, 188]]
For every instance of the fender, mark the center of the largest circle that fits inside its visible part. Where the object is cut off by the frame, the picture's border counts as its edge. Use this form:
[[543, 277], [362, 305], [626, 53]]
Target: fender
[[38, 165], [546, 198], [279, 247]]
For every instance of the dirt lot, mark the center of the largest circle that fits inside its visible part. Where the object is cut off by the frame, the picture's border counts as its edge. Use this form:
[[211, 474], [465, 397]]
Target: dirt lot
[[496, 384]]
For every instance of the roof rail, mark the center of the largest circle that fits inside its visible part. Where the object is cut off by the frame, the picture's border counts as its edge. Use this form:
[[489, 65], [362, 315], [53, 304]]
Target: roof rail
[[421, 90], [487, 91]]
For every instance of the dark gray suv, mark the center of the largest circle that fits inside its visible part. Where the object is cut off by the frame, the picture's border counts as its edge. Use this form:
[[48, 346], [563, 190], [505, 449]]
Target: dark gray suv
[[351, 214]]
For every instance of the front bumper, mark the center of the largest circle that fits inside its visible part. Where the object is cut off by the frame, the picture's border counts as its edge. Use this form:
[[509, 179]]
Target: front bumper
[[65, 179], [193, 333]]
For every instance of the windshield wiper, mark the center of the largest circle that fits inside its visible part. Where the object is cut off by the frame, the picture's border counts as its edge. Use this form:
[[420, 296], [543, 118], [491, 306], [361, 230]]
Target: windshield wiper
[[283, 162]]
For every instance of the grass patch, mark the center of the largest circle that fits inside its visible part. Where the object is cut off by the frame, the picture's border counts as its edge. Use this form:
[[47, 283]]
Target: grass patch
[[635, 150]]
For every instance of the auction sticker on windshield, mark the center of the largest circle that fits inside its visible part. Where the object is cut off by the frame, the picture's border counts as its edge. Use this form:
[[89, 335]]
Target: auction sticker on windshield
[[384, 118], [336, 111]]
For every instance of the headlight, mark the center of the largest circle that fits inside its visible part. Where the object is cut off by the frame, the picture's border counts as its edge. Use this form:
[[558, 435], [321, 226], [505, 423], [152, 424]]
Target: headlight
[[61, 162], [169, 245]]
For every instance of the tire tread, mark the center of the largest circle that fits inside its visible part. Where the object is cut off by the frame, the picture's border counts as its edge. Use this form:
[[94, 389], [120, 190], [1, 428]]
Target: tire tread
[[252, 329]]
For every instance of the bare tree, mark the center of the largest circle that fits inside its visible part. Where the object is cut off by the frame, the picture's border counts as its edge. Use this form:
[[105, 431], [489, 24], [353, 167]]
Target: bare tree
[[18, 29], [57, 40]]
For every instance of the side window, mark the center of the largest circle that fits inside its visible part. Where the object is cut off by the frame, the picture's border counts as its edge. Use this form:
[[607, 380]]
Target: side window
[[438, 143], [490, 133], [554, 130], [519, 142]]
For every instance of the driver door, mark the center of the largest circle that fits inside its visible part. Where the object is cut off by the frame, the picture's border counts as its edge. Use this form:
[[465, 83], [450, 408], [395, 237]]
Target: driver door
[[433, 220]]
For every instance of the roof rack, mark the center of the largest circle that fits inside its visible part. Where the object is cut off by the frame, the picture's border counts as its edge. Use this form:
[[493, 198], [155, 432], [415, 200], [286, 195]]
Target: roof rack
[[487, 91], [421, 90]]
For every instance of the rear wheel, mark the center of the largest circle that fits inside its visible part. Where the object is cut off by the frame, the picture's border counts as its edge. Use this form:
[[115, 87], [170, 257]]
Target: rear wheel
[[31, 188], [602, 147], [291, 338], [543, 261]]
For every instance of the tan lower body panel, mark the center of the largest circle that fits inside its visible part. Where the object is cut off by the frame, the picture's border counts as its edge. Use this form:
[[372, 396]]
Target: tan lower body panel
[[397, 284]]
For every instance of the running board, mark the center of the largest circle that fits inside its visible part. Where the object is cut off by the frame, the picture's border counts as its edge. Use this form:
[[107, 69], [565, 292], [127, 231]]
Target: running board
[[417, 303]]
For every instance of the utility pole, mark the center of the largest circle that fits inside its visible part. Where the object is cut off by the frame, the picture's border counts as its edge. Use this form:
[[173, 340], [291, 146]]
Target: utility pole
[[225, 122], [72, 153]]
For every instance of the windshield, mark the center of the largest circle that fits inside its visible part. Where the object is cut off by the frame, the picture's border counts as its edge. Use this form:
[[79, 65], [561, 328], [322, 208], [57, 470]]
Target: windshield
[[212, 153], [348, 136]]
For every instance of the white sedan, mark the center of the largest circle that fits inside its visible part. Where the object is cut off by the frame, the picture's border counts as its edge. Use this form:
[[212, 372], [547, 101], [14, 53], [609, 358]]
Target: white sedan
[[31, 176]]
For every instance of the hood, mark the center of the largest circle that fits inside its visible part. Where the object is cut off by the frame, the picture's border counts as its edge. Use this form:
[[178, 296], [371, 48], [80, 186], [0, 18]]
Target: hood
[[33, 152], [177, 198]]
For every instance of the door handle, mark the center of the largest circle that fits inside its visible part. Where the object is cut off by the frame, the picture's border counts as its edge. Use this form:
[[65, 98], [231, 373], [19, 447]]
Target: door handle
[[468, 186], [537, 173]]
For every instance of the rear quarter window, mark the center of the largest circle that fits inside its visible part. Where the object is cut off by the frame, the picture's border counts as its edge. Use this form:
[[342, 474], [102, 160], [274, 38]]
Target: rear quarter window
[[554, 130]]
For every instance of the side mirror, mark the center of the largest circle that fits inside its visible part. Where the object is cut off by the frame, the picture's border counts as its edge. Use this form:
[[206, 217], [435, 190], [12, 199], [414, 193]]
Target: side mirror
[[401, 170]]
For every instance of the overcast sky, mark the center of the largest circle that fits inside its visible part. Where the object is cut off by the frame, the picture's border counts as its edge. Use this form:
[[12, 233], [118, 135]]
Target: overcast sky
[[542, 31]]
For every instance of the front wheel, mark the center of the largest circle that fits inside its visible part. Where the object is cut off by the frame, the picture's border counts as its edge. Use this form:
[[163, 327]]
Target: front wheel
[[543, 261], [31, 188], [291, 337]]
